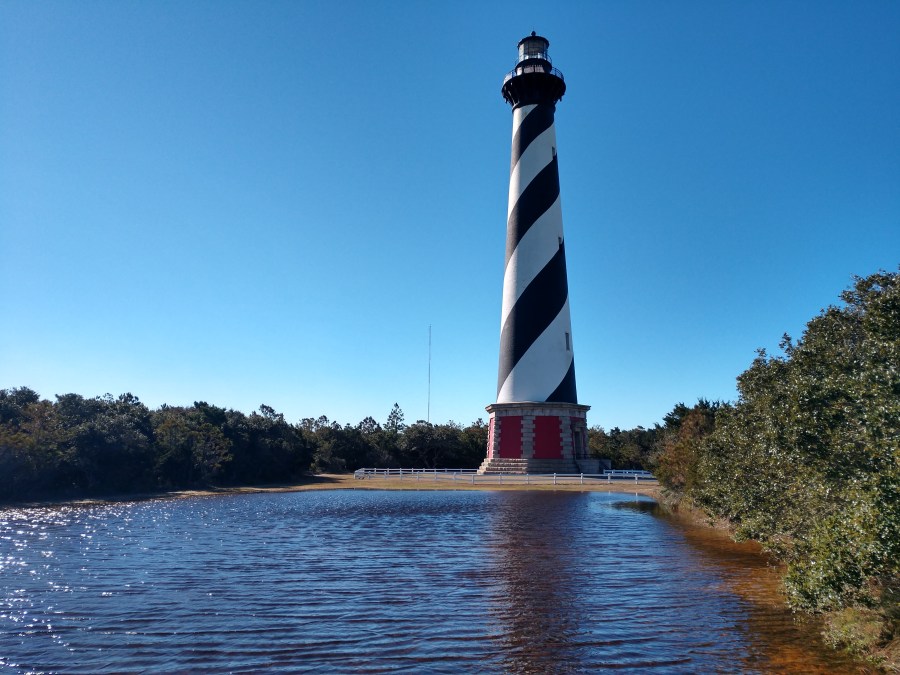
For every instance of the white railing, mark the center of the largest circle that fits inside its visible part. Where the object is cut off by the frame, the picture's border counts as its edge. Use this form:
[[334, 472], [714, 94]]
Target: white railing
[[628, 473], [472, 476], [395, 473]]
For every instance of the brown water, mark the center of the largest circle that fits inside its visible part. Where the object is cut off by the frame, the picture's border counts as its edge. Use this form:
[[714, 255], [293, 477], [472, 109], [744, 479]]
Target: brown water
[[370, 581]]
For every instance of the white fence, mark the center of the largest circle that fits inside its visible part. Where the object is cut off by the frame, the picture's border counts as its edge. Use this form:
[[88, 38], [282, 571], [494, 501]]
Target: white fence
[[472, 476]]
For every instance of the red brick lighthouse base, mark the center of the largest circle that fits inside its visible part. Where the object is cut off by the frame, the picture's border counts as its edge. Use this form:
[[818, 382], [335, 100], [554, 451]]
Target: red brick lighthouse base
[[537, 438]]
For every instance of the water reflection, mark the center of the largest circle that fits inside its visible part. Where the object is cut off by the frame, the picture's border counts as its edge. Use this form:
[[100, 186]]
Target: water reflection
[[580, 589], [536, 608]]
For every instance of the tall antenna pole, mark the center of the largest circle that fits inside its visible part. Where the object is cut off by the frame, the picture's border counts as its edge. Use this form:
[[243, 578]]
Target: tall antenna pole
[[428, 414]]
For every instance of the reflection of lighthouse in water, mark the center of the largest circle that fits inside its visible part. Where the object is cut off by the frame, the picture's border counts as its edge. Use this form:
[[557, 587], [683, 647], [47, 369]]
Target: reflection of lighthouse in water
[[536, 425], [544, 622]]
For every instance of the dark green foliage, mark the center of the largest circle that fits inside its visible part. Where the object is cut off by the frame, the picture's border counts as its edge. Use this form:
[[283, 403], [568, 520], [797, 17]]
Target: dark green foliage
[[808, 459], [631, 449], [106, 445], [30, 442], [13, 403], [443, 445], [189, 449], [678, 444], [267, 448]]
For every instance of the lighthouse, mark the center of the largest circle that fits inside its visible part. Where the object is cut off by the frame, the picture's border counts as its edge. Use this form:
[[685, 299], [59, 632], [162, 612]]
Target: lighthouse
[[536, 424]]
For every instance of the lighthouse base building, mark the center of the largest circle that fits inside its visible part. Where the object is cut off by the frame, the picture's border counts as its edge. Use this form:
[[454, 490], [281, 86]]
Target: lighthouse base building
[[538, 438]]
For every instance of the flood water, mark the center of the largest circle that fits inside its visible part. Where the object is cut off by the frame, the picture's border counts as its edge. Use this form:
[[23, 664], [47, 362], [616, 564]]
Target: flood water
[[375, 581]]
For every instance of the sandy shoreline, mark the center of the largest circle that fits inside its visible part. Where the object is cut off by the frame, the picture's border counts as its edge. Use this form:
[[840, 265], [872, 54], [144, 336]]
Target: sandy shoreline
[[348, 482]]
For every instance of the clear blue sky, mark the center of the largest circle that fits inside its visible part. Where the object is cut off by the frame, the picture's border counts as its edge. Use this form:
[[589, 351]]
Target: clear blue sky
[[270, 202]]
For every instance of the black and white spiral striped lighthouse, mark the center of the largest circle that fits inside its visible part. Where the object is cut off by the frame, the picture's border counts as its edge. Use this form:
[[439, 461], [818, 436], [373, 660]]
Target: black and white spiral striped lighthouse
[[536, 425]]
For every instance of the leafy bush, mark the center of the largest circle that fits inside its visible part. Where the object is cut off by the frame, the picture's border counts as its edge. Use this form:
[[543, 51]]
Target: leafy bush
[[808, 460]]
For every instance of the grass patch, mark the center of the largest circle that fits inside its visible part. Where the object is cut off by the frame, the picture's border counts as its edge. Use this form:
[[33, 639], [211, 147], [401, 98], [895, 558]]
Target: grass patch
[[870, 632], [856, 629]]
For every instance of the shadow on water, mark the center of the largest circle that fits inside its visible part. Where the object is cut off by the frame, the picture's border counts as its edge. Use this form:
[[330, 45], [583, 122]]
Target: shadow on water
[[641, 506]]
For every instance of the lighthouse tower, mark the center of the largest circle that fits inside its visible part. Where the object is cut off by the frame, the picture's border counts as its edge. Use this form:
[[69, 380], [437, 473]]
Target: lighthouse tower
[[536, 425]]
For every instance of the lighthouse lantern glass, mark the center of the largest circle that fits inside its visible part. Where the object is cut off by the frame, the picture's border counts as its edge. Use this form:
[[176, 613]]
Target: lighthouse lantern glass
[[534, 47]]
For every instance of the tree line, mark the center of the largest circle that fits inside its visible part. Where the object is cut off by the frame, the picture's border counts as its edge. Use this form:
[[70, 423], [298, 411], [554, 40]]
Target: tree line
[[76, 446]]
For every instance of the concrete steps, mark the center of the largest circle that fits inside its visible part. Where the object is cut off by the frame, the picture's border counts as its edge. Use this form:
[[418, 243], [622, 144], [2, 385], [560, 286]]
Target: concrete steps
[[527, 466]]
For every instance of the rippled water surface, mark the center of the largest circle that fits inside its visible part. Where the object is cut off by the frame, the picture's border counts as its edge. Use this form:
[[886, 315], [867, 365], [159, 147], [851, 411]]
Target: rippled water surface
[[370, 581]]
